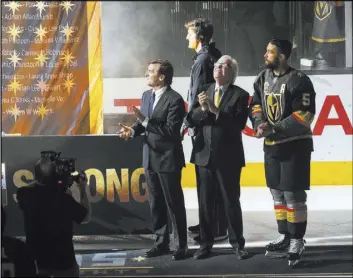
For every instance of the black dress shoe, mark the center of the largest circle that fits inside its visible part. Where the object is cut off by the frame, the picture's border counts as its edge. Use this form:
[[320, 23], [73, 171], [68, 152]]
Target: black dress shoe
[[202, 253], [194, 229], [157, 251], [180, 254]]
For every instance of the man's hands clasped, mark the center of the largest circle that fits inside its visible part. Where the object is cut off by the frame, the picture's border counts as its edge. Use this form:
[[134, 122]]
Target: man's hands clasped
[[207, 104], [263, 130]]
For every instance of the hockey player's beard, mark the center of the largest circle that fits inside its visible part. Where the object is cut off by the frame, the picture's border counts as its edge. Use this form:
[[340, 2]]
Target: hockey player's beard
[[273, 65]]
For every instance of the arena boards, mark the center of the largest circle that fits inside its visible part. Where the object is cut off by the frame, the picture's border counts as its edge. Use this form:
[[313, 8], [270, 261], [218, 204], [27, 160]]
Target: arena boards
[[117, 184], [332, 126]]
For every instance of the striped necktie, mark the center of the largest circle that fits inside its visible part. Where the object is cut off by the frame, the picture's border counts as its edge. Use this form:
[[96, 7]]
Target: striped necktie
[[217, 97]]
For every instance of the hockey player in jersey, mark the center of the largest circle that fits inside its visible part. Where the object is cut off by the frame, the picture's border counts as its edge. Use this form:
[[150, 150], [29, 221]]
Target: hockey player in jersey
[[282, 110]]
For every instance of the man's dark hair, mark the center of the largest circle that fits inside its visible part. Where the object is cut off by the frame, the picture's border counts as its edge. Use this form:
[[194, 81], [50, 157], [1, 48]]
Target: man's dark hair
[[284, 47], [44, 171], [203, 29], [165, 68]]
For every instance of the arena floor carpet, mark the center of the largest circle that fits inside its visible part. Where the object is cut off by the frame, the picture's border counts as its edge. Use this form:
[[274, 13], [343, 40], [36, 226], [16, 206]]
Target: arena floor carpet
[[329, 261]]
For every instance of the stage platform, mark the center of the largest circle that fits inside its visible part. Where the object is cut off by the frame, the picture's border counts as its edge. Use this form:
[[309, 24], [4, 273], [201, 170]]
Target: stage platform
[[328, 249], [321, 261]]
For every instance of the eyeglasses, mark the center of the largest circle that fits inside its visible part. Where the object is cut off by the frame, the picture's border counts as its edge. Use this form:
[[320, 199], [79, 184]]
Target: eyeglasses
[[221, 65]]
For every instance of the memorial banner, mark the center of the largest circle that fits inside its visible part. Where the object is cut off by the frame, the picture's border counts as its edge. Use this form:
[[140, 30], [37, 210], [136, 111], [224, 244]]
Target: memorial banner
[[51, 68]]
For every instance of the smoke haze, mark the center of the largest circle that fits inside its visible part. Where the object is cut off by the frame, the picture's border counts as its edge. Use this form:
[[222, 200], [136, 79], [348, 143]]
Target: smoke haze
[[134, 33]]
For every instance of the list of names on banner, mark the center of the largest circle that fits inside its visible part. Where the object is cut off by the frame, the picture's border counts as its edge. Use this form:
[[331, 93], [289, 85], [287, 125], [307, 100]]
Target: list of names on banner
[[37, 61]]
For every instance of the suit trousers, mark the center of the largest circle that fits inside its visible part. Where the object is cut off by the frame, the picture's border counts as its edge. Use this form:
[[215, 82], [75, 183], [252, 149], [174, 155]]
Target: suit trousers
[[224, 180], [166, 196], [220, 221]]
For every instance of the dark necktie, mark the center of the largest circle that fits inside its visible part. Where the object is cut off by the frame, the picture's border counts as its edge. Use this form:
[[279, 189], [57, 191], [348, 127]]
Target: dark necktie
[[150, 104]]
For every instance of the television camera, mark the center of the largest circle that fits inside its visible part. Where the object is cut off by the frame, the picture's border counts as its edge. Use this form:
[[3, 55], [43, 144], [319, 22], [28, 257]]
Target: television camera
[[65, 170]]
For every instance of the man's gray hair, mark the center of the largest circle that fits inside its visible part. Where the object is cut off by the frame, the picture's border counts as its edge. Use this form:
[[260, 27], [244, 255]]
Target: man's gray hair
[[233, 65]]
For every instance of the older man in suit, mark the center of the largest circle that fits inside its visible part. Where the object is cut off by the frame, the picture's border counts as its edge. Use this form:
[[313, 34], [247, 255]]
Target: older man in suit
[[220, 115], [160, 119]]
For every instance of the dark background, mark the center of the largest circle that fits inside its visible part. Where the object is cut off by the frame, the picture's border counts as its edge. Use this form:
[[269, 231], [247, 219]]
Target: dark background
[[99, 152], [136, 32]]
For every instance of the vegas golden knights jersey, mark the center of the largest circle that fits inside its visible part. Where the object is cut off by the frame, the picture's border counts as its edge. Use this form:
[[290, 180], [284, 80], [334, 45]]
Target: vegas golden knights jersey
[[328, 22], [287, 103]]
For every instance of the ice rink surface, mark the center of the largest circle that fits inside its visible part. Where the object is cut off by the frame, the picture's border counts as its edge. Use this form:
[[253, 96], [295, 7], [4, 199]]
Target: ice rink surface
[[328, 240]]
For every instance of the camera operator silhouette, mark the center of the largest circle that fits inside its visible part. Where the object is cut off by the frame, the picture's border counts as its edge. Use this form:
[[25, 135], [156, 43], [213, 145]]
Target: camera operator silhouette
[[49, 211]]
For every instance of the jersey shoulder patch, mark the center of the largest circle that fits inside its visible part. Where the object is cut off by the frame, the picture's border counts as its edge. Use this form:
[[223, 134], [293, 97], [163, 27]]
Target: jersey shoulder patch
[[303, 79], [299, 75]]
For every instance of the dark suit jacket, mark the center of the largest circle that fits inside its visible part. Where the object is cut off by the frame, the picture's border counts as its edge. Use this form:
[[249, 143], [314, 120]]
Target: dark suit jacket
[[202, 70], [221, 138], [162, 147]]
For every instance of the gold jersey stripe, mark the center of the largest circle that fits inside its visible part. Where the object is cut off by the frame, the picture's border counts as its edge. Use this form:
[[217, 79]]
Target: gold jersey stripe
[[269, 142], [328, 40], [303, 117]]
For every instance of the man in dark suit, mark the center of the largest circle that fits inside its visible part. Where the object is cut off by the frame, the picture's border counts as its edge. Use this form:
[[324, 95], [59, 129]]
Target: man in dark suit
[[160, 119], [220, 116]]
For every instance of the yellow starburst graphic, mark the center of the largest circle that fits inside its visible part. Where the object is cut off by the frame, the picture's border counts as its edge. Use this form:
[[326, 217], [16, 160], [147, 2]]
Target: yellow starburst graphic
[[67, 58], [14, 85], [67, 31], [40, 5], [41, 32], [42, 85], [14, 31], [67, 6], [69, 84], [41, 58], [138, 259], [14, 59], [42, 111], [13, 6], [15, 112]]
